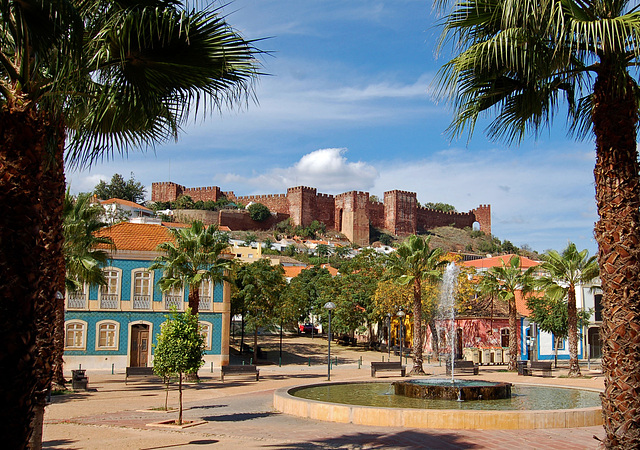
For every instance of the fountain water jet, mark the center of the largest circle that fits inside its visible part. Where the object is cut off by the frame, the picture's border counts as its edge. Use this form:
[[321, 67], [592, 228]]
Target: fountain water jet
[[448, 304]]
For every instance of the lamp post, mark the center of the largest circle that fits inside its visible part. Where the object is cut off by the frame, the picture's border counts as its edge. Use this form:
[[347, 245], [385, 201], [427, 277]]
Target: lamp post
[[329, 306], [389, 335], [401, 315]]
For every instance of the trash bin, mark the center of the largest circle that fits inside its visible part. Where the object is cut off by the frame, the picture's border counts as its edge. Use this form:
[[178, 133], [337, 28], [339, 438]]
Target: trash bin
[[79, 380], [522, 366]]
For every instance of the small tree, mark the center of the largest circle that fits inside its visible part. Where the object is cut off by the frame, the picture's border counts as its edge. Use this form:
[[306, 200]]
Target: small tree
[[180, 349], [551, 316], [131, 190], [258, 212]]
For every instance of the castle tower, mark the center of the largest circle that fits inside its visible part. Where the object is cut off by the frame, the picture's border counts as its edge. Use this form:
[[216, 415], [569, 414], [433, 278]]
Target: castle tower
[[400, 208], [165, 191], [302, 205], [351, 217], [483, 216]]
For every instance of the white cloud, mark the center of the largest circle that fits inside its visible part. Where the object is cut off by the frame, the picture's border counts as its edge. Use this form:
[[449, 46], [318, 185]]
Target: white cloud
[[327, 169]]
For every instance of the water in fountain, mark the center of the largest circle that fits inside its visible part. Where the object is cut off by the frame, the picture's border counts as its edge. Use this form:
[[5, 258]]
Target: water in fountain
[[447, 305]]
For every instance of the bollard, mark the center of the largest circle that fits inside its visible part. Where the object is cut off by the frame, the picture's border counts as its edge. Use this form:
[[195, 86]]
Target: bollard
[[279, 361], [211, 366], [112, 372], [79, 366], [382, 358], [250, 361], [309, 361], [243, 362], [360, 362], [336, 360]]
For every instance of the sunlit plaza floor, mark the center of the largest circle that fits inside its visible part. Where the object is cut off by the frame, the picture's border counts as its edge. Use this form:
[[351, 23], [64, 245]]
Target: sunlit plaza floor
[[239, 413]]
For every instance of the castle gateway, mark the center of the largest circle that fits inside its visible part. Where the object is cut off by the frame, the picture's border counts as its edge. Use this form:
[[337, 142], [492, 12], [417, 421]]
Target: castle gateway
[[349, 213]]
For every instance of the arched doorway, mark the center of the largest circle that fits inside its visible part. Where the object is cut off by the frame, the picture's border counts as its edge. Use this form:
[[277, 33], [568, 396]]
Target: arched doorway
[[139, 345]]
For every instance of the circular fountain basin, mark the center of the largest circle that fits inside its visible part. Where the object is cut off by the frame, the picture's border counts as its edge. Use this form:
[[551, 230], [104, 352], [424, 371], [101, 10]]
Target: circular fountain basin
[[370, 403], [460, 390]]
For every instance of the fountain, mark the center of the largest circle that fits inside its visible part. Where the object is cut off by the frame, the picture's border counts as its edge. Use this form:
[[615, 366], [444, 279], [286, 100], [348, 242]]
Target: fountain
[[450, 389], [442, 403]]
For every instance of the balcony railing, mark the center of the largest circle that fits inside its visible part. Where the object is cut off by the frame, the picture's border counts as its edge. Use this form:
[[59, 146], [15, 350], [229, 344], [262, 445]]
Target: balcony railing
[[141, 302], [77, 300], [173, 301], [205, 304], [109, 301]]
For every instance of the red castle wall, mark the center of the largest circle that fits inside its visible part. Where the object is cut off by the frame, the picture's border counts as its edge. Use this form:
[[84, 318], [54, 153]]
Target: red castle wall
[[399, 214]]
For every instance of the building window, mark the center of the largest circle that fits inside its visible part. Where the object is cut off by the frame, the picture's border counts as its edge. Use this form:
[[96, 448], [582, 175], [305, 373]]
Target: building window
[[205, 293], [205, 331], [560, 343], [504, 337], [173, 298], [78, 298], [597, 298], [110, 292], [142, 289], [107, 335], [75, 335]]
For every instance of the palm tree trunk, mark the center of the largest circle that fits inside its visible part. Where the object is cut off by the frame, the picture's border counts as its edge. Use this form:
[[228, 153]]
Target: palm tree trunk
[[572, 319], [513, 336], [434, 337], [50, 307], [615, 117], [417, 329], [23, 291], [194, 299]]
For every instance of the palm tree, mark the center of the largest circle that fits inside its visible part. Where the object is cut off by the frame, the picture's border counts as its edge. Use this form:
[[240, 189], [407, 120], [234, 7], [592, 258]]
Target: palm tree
[[84, 257], [562, 272], [112, 76], [517, 59], [504, 283], [414, 263], [193, 257]]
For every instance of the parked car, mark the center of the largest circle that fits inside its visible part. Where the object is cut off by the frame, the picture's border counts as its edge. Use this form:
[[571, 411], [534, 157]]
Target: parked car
[[307, 329]]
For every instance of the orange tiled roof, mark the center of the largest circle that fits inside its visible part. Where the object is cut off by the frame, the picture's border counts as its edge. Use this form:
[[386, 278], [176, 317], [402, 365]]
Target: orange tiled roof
[[124, 202], [136, 236], [294, 271], [496, 261]]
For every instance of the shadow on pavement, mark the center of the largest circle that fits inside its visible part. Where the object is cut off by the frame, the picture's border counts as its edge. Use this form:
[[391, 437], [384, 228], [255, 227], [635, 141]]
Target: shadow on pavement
[[237, 417], [400, 440]]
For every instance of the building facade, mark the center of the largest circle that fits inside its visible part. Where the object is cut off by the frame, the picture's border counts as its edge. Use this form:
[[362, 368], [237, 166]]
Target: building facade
[[116, 326]]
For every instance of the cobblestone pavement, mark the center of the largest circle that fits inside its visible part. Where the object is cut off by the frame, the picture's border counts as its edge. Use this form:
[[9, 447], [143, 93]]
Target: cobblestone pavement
[[238, 414]]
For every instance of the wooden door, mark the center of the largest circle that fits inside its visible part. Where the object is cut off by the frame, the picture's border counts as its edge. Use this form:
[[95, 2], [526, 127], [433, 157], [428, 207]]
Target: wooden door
[[139, 345]]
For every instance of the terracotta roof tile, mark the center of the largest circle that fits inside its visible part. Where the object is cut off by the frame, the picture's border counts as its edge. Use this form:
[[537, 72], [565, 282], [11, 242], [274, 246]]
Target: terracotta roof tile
[[124, 202], [136, 236], [496, 261]]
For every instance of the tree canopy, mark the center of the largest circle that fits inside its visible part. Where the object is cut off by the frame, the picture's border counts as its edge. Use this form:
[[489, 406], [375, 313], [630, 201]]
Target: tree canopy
[[131, 190]]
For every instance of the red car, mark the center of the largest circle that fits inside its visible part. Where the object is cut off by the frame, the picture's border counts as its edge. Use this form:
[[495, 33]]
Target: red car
[[307, 329]]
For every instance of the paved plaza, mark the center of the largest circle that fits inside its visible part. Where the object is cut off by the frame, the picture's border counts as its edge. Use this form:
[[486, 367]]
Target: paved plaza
[[239, 414]]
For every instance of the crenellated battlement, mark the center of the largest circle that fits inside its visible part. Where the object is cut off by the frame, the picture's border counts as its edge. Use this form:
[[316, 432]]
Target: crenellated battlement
[[349, 212]]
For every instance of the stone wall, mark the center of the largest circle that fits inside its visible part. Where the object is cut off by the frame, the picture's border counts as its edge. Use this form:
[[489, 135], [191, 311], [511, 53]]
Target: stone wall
[[349, 213]]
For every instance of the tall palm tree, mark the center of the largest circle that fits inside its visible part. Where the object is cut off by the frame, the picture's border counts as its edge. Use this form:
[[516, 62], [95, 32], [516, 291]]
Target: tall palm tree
[[414, 263], [518, 59], [504, 282], [561, 273], [83, 258], [110, 76], [193, 257]]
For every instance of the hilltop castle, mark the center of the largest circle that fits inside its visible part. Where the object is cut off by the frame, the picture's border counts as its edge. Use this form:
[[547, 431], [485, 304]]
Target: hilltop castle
[[349, 213]]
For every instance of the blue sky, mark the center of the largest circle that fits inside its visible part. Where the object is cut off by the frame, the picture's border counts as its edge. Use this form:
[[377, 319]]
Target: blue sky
[[348, 105]]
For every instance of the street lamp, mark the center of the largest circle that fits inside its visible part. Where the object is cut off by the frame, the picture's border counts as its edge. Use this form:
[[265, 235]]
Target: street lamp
[[401, 315], [329, 306], [389, 335]]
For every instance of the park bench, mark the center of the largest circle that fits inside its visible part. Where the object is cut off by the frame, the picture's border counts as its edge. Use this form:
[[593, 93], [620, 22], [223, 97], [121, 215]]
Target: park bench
[[394, 366], [79, 380], [247, 369], [138, 372], [461, 366], [539, 368]]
